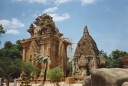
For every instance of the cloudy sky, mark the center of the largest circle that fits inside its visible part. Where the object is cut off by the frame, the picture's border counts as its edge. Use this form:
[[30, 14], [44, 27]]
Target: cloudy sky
[[107, 20]]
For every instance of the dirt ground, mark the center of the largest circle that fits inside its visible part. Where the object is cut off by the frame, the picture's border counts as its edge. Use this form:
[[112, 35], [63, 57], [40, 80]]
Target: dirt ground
[[49, 84]]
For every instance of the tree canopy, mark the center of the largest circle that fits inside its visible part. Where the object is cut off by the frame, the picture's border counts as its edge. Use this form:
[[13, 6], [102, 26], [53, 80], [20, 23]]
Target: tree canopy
[[13, 68], [11, 51], [114, 60], [10, 68], [11, 64]]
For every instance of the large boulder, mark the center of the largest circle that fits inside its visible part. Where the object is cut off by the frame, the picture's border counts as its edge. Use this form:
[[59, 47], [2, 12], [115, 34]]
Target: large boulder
[[109, 77], [125, 84], [87, 81]]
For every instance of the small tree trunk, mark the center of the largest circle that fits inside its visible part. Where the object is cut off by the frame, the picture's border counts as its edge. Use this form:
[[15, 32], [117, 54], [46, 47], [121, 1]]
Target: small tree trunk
[[57, 84], [7, 81], [45, 72]]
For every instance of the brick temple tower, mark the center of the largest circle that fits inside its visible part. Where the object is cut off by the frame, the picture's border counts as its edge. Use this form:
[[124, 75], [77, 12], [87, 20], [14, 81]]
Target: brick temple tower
[[86, 56], [46, 40]]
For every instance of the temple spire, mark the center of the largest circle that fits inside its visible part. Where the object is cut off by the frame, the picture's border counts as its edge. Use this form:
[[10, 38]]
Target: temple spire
[[85, 56], [85, 29]]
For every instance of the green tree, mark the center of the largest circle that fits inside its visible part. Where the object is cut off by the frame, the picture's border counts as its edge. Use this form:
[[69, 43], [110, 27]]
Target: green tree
[[55, 74], [117, 54], [9, 67], [114, 60], [104, 54], [43, 59], [109, 62], [12, 69], [18, 45], [11, 50], [2, 31], [69, 68], [27, 70], [9, 59], [8, 45]]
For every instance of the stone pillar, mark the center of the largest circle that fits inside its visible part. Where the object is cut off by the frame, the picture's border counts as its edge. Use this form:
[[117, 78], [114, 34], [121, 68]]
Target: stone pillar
[[23, 54], [48, 49], [15, 83], [42, 50], [95, 63], [0, 82]]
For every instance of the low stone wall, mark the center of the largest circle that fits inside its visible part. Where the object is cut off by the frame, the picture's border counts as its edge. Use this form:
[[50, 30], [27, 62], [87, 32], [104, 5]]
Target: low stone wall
[[70, 80], [109, 77]]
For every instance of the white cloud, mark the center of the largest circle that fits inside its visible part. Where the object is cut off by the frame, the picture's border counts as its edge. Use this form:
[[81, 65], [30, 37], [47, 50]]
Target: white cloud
[[61, 1], [84, 2], [47, 2], [58, 18], [12, 31], [5, 22], [48, 10], [33, 1], [38, 1], [14, 23]]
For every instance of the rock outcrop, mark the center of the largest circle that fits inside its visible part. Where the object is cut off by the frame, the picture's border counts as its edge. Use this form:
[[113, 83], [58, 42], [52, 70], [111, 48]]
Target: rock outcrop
[[109, 77], [125, 84], [87, 81]]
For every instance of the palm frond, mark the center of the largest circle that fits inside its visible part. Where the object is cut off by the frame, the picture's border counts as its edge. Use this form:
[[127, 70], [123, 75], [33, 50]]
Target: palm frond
[[42, 59]]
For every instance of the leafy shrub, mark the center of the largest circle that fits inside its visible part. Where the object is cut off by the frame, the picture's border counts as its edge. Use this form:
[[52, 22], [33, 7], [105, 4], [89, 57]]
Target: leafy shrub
[[55, 74]]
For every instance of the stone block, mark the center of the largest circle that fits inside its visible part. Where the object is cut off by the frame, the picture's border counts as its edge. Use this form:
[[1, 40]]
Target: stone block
[[70, 80]]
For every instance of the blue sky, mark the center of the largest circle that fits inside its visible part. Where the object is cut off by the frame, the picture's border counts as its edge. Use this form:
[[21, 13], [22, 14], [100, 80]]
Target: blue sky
[[107, 20]]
